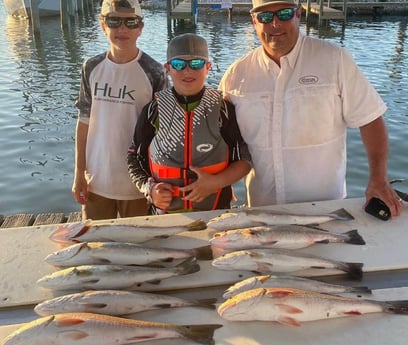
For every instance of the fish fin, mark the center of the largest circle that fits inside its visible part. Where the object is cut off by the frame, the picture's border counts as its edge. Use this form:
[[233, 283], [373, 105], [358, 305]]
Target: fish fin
[[396, 307], [352, 312], [206, 303], [341, 214], [74, 335], [314, 227], [188, 266], [288, 321], [263, 267], [203, 253], [69, 321], [201, 334], [161, 306], [154, 281], [286, 308], [354, 237], [198, 224], [65, 233], [278, 293], [322, 241], [95, 305]]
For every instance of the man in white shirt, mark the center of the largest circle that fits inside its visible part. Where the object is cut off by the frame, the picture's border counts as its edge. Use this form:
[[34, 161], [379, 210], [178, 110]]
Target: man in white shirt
[[294, 97]]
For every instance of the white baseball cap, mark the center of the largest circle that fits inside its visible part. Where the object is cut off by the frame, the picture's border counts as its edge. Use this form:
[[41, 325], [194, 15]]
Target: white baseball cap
[[121, 6]]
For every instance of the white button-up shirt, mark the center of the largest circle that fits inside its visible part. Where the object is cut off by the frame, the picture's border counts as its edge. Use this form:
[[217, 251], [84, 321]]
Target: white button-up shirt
[[295, 118]]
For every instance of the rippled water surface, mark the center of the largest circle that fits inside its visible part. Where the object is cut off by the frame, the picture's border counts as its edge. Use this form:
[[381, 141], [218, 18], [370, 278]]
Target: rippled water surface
[[39, 81]]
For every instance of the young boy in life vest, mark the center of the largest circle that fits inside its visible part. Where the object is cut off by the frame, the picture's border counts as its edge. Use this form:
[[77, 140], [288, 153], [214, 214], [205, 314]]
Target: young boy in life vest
[[187, 149]]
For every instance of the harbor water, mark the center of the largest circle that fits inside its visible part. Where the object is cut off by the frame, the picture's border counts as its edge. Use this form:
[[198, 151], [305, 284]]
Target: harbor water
[[39, 82]]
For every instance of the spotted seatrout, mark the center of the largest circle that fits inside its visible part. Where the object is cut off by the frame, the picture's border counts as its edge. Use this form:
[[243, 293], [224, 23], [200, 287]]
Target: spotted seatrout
[[258, 217], [113, 276], [121, 253], [88, 232], [272, 281], [96, 329], [115, 302], [292, 306], [283, 236], [281, 260]]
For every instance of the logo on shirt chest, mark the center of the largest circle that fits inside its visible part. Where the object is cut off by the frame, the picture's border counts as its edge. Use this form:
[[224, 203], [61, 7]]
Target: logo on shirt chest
[[308, 79], [108, 91]]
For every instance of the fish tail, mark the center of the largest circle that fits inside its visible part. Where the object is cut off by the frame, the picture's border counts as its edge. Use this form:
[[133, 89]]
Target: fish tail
[[188, 266], [197, 225], [396, 307], [354, 237], [341, 214], [203, 253], [201, 334], [353, 269]]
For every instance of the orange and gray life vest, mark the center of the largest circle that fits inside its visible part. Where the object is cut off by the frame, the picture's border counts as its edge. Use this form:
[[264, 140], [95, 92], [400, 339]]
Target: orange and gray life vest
[[185, 139]]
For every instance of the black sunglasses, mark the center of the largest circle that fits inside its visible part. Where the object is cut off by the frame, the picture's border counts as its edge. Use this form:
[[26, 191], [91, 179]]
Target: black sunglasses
[[194, 64], [116, 22], [283, 15]]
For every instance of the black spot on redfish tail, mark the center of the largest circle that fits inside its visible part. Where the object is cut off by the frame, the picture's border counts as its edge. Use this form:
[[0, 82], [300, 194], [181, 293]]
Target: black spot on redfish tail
[[341, 214], [396, 307], [201, 334], [353, 269], [354, 237]]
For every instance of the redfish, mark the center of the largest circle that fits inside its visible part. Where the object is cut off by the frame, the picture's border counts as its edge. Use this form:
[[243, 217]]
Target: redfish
[[282, 261], [284, 236], [122, 253], [272, 281], [258, 217], [292, 306], [96, 329], [115, 302], [113, 276], [89, 232]]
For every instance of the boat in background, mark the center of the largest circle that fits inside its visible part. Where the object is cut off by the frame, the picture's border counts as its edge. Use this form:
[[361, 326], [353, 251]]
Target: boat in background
[[22, 8]]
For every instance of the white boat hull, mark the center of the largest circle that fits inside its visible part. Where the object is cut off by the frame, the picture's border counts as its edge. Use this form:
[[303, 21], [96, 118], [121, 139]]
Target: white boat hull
[[22, 8]]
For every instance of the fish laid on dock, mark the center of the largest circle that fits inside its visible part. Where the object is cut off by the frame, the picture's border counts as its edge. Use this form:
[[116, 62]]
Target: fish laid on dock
[[258, 217], [115, 302], [282, 236], [88, 232], [272, 281], [122, 253], [96, 329], [292, 306], [97, 277], [282, 261]]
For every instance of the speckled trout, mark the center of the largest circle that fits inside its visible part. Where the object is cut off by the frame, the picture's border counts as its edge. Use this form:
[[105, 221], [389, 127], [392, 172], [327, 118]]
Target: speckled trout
[[292, 306], [122, 253], [272, 281], [115, 302], [113, 276], [96, 329], [281, 261], [88, 232], [282, 236], [257, 217]]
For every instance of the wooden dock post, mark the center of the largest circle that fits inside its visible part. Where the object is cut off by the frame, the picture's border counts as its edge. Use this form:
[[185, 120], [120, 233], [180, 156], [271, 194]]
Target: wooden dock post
[[178, 10], [324, 12], [35, 15]]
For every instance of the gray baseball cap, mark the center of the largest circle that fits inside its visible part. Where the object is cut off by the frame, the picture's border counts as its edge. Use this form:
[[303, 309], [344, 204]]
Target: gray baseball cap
[[187, 46], [121, 6], [258, 4]]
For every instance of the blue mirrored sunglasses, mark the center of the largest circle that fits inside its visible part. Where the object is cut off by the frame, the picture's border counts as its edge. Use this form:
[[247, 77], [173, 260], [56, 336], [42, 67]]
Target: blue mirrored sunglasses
[[194, 64], [283, 15], [116, 22]]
